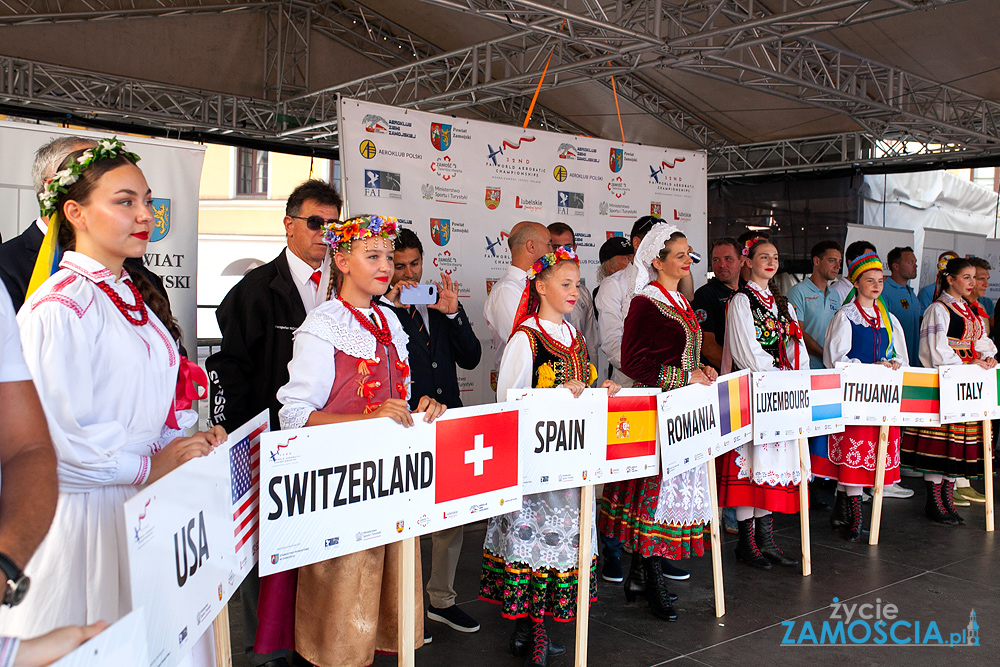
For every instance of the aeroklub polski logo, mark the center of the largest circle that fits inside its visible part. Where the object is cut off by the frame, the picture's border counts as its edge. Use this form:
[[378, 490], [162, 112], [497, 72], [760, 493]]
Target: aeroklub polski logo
[[878, 624]]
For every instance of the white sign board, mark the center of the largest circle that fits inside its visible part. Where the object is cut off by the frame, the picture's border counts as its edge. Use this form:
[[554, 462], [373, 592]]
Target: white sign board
[[781, 408], [337, 489], [632, 445], [872, 394], [124, 643], [560, 436], [968, 393], [689, 427], [192, 541]]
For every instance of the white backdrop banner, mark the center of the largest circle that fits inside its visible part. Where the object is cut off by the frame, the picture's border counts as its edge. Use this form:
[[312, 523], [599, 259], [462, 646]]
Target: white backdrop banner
[[341, 488], [462, 184], [192, 540], [173, 171]]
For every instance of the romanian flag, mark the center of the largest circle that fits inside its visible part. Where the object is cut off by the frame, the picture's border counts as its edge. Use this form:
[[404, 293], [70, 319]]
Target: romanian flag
[[631, 426], [734, 404], [825, 396], [921, 393]]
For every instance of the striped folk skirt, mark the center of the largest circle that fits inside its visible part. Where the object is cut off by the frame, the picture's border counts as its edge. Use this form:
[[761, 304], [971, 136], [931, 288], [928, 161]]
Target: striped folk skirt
[[953, 450]]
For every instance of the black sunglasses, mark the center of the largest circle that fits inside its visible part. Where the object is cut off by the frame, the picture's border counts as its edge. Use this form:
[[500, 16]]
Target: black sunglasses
[[315, 222]]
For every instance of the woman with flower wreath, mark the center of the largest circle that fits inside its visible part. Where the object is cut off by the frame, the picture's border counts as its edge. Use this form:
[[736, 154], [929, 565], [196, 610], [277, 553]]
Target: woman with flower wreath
[[860, 332], [349, 364], [105, 362], [762, 335], [658, 518], [951, 333], [531, 557]]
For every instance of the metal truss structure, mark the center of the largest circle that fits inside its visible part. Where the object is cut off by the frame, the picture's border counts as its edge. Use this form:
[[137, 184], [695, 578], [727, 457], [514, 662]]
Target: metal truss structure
[[901, 117]]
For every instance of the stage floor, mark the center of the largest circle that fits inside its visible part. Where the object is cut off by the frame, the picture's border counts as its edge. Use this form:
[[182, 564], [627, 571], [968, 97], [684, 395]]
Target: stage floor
[[931, 573]]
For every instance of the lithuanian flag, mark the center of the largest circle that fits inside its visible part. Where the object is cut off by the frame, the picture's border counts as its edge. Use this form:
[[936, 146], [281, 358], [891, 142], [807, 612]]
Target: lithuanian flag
[[631, 426], [734, 404], [921, 392]]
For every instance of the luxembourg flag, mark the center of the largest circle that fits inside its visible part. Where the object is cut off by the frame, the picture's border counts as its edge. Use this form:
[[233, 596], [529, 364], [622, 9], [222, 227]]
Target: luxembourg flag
[[824, 396]]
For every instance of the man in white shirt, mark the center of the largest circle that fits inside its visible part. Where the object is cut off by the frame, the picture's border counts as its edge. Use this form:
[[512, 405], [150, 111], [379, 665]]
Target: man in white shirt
[[257, 319], [528, 241], [582, 317]]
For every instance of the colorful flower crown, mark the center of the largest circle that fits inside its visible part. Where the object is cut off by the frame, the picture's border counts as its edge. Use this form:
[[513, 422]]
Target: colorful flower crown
[[64, 178], [944, 258], [750, 244], [361, 227], [560, 254]]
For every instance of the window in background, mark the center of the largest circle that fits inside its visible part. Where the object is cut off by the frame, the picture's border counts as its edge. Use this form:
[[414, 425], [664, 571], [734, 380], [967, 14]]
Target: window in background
[[251, 172]]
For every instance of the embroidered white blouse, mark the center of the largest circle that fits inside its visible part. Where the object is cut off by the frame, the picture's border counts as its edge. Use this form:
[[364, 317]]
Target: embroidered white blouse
[[839, 334], [516, 367], [312, 371], [106, 385], [741, 339], [934, 348]]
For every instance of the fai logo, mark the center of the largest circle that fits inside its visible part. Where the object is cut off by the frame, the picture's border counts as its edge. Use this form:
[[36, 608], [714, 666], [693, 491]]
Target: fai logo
[[655, 209], [161, 219], [382, 184], [375, 124], [569, 203], [616, 159], [440, 231], [367, 149], [655, 173], [441, 136], [492, 198]]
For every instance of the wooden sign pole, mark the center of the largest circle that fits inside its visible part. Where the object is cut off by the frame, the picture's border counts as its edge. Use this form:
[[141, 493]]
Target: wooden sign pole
[[406, 596], [583, 575], [883, 448], [223, 644], [804, 506], [713, 492], [988, 463]]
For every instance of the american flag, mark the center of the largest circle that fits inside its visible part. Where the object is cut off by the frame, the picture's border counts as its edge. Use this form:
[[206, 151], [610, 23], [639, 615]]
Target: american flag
[[244, 467]]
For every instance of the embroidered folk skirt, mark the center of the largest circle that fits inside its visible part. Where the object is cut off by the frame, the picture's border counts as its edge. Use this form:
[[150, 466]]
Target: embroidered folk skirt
[[656, 517], [954, 450], [851, 456], [530, 558], [742, 491]]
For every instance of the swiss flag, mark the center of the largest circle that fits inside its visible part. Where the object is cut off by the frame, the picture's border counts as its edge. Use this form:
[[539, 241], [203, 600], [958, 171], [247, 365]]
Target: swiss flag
[[475, 455]]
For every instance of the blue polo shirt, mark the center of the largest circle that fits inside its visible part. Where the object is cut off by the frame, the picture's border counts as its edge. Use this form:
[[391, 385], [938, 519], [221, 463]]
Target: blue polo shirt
[[926, 298], [987, 304], [902, 301], [815, 309]]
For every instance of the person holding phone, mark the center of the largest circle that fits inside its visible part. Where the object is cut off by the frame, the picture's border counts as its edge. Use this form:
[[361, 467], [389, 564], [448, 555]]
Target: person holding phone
[[441, 339]]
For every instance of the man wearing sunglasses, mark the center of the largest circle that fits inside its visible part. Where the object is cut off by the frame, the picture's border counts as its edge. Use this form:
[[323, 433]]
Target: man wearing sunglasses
[[257, 319]]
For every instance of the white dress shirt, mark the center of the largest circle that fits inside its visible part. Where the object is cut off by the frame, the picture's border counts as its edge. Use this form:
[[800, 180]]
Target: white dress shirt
[[501, 308], [612, 305], [12, 366], [582, 318], [312, 294]]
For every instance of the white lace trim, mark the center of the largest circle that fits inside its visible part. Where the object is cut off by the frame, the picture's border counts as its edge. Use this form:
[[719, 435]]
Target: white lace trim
[[294, 415], [684, 499], [332, 322]]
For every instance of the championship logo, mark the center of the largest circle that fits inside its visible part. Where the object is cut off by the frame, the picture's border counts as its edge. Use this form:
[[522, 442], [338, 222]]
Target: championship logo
[[161, 219], [441, 136], [375, 124], [440, 231], [615, 161], [655, 172], [492, 198], [655, 208]]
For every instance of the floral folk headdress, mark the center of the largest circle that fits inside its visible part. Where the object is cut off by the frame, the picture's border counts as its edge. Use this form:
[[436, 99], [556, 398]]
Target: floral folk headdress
[[528, 305], [649, 249], [339, 235], [748, 246], [49, 254], [867, 262]]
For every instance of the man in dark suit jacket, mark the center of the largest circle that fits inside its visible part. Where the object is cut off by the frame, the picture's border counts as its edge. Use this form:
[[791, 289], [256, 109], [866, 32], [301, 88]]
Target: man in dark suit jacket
[[18, 255], [441, 337], [257, 319]]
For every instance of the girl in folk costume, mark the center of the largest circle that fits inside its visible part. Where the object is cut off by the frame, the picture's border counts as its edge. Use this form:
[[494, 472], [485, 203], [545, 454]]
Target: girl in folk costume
[[951, 333], [861, 332], [762, 335], [104, 356], [658, 518], [350, 363], [531, 556]]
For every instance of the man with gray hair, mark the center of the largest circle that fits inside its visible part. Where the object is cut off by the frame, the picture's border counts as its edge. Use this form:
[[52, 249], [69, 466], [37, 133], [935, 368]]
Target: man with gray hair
[[528, 241], [17, 256]]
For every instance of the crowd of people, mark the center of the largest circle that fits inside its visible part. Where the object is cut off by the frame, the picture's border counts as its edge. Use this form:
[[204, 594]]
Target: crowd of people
[[322, 335]]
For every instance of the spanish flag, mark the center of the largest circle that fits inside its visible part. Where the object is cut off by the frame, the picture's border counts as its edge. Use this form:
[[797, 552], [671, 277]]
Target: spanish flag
[[921, 392], [631, 426], [734, 404]]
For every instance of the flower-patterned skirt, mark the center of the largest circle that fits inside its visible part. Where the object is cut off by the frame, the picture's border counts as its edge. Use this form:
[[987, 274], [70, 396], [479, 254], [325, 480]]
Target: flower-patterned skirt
[[530, 557]]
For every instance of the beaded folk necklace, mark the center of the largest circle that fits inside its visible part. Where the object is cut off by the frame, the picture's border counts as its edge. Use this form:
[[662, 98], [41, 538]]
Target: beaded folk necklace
[[127, 308], [382, 333]]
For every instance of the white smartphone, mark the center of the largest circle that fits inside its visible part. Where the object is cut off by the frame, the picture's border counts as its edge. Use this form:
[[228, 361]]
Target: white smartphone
[[420, 294]]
